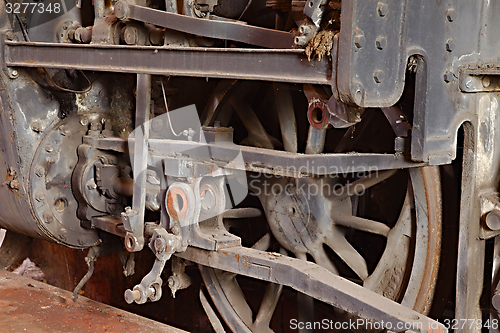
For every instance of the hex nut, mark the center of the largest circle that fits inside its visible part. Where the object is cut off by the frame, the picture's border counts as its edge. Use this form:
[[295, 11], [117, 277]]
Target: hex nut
[[381, 43], [175, 230], [379, 76], [448, 77], [359, 40], [450, 45], [451, 15], [40, 171]]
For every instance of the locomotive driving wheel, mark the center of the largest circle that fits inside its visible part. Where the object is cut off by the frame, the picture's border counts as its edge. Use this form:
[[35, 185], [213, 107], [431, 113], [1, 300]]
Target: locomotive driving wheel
[[380, 229]]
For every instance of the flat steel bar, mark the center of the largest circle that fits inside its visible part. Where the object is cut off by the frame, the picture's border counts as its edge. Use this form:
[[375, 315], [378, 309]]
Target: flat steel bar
[[317, 282], [266, 160], [251, 64], [140, 157], [27, 305], [249, 34]]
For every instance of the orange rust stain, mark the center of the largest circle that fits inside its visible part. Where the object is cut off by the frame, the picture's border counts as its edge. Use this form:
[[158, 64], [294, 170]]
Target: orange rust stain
[[170, 205]]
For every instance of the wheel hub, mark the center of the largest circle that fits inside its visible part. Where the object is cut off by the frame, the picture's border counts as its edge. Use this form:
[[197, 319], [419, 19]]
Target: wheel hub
[[299, 214]]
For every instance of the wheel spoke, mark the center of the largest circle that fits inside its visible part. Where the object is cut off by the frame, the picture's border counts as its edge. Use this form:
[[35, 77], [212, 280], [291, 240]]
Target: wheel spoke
[[348, 254], [212, 317], [242, 213], [267, 306], [257, 134], [315, 140], [360, 185], [349, 140], [321, 258], [264, 243], [286, 116], [362, 224], [235, 296]]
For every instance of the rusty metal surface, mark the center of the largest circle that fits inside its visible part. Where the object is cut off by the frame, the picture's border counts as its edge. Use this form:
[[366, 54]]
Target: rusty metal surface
[[250, 64], [63, 267], [28, 305]]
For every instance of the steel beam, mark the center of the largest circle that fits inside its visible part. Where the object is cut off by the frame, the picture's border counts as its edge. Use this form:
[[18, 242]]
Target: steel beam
[[31, 306], [261, 160], [250, 64], [317, 282], [230, 30]]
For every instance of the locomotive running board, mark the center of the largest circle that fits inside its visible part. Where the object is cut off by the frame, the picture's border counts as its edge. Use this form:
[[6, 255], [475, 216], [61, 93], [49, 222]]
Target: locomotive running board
[[318, 283]]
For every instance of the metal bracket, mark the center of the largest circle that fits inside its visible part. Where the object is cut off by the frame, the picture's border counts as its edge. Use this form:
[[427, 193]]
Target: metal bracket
[[163, 245], [313, 10], [484, 79]]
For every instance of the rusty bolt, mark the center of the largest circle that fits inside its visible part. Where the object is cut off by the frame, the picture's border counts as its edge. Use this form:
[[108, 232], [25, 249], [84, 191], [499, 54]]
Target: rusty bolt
[[9, 35], [39, 196], [451, 15], [40, 171], [36, 128], [63, 234], [492, 221], [130, 35], [450, 45], [63, 130], [381, 42], [448, 77], [175, 230], [160, 245], [379, 76], [359, 40], [84, 121], [14, 185], [382, 9]]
